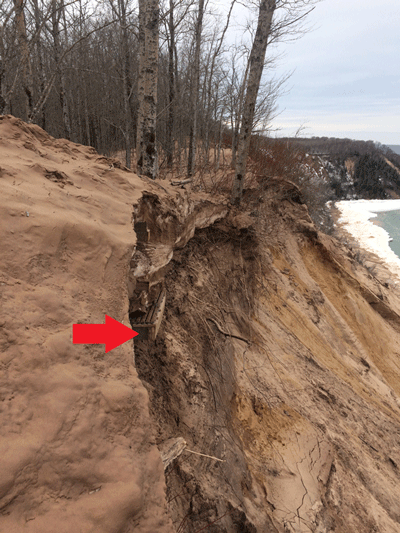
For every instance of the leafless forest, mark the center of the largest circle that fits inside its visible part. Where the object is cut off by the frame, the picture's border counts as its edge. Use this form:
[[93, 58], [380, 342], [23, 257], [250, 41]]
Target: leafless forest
[[168, 79]]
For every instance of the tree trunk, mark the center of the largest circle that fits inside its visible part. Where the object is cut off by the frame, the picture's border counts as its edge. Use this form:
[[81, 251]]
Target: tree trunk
[[56, 15], [126, 81], [27, 78], [193, 110], [2, 99], [87, 123], [39, 55], [171, 82], [147, 91], [256, 61], [236, 116], [219, 141], [211, 77]]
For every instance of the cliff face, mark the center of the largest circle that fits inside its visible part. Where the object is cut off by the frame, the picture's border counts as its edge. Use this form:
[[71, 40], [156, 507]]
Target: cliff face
[[278, 358], [278, 355], [355, 169]]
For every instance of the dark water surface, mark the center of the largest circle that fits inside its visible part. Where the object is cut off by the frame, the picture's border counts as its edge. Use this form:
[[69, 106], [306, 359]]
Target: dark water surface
[[390, 221]]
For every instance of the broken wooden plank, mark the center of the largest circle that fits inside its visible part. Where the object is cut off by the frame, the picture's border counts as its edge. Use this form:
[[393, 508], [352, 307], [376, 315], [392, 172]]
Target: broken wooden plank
[[171, 449]]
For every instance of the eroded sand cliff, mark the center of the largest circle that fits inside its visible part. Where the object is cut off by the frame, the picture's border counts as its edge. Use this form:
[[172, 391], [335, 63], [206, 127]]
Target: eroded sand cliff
[[278, 354]]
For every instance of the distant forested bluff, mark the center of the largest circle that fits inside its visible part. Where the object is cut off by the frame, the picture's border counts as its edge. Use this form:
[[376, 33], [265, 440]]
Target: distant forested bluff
[[326, 170], [356, 169]]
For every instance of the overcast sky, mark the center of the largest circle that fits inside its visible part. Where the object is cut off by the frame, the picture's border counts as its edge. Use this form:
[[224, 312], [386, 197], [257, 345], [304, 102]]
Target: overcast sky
[[346, 81]]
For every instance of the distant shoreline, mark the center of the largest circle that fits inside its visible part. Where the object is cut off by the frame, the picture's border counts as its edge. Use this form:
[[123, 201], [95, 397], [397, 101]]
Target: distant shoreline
[[355, 218]]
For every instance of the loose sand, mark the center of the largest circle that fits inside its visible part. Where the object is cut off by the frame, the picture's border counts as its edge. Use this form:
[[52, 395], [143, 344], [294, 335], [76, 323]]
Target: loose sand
[[76, 447]]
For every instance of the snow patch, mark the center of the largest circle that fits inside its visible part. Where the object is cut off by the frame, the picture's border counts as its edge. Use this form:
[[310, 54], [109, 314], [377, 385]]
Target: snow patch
[[356, 215]]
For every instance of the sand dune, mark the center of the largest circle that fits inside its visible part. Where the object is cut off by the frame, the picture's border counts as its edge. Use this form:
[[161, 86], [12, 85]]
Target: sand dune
[[277, 360], [76, 439]]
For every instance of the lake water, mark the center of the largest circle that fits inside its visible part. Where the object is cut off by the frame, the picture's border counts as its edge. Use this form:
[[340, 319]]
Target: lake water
[[390, 221]]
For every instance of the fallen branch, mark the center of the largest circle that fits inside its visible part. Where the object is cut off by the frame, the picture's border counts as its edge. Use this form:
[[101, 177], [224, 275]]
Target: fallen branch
[[204, 455], [176, 183], [171, 450], [225, 333]]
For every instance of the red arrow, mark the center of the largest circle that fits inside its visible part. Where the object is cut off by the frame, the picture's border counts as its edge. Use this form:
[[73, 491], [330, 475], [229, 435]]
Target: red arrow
[[112, 333]]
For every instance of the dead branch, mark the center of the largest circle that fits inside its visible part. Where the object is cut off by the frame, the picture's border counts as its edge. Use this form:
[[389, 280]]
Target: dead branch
[[227, 334], [176, 183]]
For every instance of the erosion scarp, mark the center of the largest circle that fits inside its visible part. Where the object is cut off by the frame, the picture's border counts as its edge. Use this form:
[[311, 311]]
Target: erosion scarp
[[279, 355], [76, 439], [271, 390]]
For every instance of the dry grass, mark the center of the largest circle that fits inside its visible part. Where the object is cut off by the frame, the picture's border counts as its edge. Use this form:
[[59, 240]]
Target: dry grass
[[268, 158]]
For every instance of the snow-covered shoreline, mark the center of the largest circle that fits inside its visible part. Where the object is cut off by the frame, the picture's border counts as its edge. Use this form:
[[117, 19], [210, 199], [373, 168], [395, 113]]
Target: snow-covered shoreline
[[356, 215]]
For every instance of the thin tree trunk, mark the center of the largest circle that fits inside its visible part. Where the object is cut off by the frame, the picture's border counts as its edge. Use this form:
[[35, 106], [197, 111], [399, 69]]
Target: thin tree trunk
[[68, 101], [27, 77], [256, 60], [126, 84], [3, 104], [193, 110], [205, 106], [147, 91], [87, 123], [3, 64], [218, 159], [210, 78], [39, 53], [171, 82], [56, 15], [238, 116]]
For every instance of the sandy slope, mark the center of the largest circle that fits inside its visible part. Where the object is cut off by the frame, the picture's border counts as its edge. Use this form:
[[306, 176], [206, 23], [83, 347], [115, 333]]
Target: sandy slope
[[77, 452], [278, 355]]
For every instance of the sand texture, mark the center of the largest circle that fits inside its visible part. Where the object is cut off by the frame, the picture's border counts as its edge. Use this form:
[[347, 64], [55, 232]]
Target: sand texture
[[77, 449], [271, 393]]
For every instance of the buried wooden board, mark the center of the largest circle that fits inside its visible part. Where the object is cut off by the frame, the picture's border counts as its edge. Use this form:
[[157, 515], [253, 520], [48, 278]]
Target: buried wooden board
[[149, 323]]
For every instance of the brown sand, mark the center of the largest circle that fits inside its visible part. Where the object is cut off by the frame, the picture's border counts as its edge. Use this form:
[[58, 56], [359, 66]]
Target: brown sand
[[77, 452], [278, 355]]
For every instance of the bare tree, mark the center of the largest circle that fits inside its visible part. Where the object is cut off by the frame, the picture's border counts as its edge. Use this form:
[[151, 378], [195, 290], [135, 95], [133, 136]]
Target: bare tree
[[256, 67], [146, 146], [171, 85], [127, 86], [27, 78], [57, 13], [40, 71], [193, 110], [236, 91], [174, 17], [6, 46], [287, 25], [210, 94]]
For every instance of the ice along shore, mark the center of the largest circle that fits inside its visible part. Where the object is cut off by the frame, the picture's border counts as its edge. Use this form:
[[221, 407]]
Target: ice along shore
[[355, 217]]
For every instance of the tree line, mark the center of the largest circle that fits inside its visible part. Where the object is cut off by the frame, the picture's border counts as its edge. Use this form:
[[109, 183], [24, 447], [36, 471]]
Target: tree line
[[161, 80], [375, 167]]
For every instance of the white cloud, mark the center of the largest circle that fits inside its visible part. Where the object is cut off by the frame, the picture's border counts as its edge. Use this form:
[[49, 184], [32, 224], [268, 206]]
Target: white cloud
[[347, 78]]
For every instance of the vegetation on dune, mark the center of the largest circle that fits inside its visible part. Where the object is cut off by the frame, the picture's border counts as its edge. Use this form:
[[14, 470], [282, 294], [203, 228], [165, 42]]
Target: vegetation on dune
[[357, 169], [160, 82], [157, 79]]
